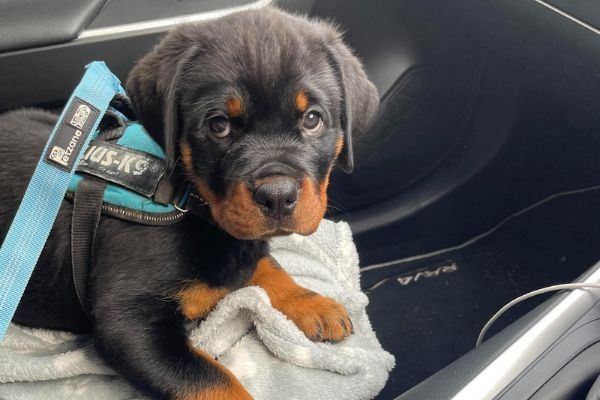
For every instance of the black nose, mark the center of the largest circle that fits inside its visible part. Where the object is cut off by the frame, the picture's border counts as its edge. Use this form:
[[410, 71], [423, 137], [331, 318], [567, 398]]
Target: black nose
[[277, 196]]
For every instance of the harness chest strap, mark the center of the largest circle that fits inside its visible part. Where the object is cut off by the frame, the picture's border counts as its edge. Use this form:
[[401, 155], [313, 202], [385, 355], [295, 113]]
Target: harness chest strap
[[87, 209]]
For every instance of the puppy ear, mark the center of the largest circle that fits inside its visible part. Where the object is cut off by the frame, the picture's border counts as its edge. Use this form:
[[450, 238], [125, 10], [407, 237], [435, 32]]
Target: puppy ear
[[360, 99], [153, 87]]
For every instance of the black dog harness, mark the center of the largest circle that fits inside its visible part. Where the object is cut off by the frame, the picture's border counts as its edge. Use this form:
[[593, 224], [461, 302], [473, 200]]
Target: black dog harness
[[122, 174]]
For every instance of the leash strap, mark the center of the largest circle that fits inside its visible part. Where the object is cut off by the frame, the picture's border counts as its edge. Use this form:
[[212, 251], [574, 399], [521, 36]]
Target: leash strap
[[87, 209], [36, 214]]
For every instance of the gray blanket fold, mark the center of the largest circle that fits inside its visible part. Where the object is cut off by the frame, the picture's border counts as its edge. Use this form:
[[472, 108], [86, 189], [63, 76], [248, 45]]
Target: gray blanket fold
[[265, 350]]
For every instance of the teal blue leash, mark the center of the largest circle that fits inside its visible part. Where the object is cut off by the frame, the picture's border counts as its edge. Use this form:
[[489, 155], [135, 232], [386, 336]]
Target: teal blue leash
[[38, 210]]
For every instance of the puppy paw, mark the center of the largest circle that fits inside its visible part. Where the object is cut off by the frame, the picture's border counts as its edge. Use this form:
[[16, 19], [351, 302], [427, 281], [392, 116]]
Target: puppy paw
[[320, 318]]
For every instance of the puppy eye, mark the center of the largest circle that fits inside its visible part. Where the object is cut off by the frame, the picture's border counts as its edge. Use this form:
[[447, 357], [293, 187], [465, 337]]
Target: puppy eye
[[219, 126], [312, 122]]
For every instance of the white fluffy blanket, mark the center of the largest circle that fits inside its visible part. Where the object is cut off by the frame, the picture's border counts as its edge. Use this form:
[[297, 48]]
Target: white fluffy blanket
[[265, 350]]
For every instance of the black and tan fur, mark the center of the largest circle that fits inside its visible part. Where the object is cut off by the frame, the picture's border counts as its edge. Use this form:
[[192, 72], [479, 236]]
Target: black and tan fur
[[261, 73]]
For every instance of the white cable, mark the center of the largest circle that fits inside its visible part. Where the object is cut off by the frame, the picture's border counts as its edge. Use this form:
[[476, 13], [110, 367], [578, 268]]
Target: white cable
[[480, 236], [566, 286]]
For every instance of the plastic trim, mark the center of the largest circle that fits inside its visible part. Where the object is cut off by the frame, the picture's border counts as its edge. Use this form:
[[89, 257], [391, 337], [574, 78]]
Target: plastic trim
[[165, 23], [569, 16], [507, 366]]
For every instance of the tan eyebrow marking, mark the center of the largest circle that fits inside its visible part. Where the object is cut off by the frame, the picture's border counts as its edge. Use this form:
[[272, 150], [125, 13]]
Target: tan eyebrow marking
[[301, 101], [234, 107]]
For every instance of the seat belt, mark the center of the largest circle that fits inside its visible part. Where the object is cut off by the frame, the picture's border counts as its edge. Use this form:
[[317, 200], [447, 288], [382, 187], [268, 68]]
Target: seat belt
[[38, 210]]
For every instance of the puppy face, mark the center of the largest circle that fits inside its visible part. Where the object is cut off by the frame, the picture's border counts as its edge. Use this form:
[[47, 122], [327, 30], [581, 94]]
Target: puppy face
[[258, 106]]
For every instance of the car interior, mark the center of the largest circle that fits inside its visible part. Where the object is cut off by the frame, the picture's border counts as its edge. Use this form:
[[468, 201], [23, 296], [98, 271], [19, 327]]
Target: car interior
[[477, 183]]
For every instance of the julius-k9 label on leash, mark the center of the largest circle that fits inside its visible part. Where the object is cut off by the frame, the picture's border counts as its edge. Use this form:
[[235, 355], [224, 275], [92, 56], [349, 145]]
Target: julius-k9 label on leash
[[75, 128]]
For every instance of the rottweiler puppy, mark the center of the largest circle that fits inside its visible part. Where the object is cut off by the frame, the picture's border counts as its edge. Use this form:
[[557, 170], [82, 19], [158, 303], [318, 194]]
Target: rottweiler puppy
[[254, 110]]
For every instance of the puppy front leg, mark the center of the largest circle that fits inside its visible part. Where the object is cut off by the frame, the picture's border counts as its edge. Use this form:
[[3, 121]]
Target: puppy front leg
[[147, 343], [319, 317]]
